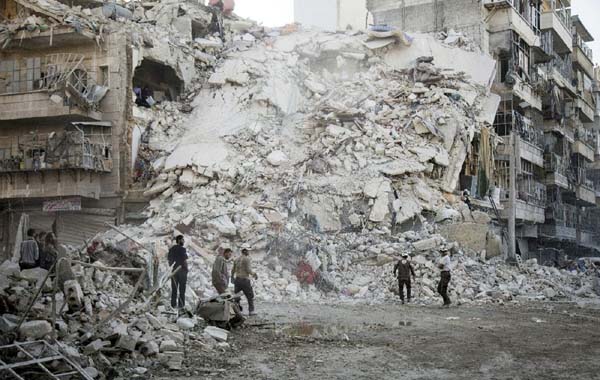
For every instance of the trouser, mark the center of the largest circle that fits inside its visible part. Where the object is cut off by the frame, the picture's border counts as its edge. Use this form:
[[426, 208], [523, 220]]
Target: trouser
[[402, 282], [178, 283], [221, 287], [443, 286], [244, 285], [23, 266]]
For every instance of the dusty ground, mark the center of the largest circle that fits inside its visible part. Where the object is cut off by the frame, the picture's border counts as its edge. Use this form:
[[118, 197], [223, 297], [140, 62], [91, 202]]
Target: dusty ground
[[536, 341]]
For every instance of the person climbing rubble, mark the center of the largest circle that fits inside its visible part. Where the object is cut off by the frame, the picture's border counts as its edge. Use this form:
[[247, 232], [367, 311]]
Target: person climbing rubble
[[403, 271], [240, 274], [29, 251], [178, 258], [220, 275], [445, 265]]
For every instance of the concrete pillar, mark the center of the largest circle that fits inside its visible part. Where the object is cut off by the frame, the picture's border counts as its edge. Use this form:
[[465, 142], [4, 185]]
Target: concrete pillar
[[512, 201]]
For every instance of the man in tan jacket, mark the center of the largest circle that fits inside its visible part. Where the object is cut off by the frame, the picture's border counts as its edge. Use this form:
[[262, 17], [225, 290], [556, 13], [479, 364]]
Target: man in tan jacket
[[241, 273]]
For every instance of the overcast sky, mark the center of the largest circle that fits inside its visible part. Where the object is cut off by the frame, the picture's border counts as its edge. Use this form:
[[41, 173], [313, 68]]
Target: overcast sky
[[281, 12]]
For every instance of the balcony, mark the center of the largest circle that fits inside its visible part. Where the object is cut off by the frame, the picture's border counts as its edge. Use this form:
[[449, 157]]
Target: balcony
[[561, 221], [81, 146], [53, 86], [524, 212], [59, 35], [582, 56], [526, 92], [50, 184], [585, 194], [558, 232], [511, 15], [552, 21], [586, 112], [40, 104], [554, 126], [584, 143], [556, 168]]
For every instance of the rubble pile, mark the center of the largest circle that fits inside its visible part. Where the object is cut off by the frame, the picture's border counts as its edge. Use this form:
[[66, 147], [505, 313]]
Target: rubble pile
[[311, 145], [92, 328]]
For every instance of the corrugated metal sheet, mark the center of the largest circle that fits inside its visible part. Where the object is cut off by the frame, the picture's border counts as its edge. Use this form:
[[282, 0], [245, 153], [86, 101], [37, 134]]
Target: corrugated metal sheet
[[75, 228]]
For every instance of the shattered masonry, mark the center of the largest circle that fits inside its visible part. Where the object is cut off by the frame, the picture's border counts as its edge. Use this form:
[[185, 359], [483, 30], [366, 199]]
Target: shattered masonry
[[329, 153]]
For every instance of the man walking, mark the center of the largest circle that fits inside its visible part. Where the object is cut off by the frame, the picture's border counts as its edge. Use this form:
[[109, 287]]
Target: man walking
[[241, 273], [445, 264], [30, 252], [220, 274], [403, 270], [178, 259]]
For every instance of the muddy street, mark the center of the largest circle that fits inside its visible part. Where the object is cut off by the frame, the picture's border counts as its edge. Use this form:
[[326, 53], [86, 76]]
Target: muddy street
[[537, 341]]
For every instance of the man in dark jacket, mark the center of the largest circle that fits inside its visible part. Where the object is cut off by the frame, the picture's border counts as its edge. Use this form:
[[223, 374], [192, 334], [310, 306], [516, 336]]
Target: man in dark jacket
[[178, 256], [403, 270]]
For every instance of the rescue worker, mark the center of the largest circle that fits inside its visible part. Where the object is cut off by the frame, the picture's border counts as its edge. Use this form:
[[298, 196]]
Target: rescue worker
[[241, 273], [445, 265], [30, 253], [178, 258], [402, 271], [220, 274]]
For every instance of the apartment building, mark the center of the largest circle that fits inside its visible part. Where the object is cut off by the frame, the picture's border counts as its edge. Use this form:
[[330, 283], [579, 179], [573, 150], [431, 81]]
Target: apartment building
[[545, 78], [67, 78]]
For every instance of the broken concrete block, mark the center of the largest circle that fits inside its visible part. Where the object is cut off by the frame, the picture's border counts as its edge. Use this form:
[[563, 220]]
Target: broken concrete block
[[126, 342], [35, 329], [168, 345], [224, 225], [172, 360], [56, 99], [217, 333], [186, 323], [175, 336], [95, 346], [427, 244], [376, 186], [277, 158], [149, 348], [380, 208], [73, 294]]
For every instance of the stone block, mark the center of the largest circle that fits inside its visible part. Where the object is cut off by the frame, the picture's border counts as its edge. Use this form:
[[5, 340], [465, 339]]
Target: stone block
[[126, 342], [217, 333], [35, 329]]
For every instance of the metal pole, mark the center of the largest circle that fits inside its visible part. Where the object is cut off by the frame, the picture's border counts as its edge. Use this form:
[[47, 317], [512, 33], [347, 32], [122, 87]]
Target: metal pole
[[512, 201]]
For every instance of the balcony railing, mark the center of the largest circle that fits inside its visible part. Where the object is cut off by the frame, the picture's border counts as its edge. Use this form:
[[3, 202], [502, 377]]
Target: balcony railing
[[587, 51], [562, 214], [530, 14], [585, 135], [72, 149], [553, 163], [532, 192], [562, 12], [506, 122]]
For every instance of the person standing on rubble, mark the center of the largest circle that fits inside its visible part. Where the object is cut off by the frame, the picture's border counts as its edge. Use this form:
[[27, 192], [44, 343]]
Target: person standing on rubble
[[178, 259], [403, 271], [241, 273], [30, 253], [220, 274], [49, 253], [445, 265]]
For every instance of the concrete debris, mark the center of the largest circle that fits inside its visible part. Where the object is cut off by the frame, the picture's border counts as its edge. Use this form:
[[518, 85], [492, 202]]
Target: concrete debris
[[331, 154], [217, 333]]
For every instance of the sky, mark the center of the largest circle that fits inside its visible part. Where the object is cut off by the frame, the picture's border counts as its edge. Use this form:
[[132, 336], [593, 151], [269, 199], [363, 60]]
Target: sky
[[281, 12]]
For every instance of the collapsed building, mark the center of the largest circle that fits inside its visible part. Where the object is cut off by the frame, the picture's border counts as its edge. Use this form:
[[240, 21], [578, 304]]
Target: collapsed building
[[329, 153], [547, 85]]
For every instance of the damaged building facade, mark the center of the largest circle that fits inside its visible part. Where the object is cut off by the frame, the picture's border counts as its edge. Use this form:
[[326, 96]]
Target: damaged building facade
[[545, 79], [69, 136]]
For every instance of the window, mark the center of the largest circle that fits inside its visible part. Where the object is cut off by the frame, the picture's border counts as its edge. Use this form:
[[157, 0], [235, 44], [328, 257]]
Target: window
[[103, 76]]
